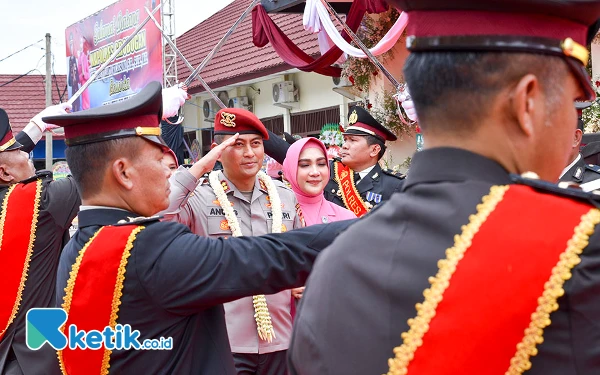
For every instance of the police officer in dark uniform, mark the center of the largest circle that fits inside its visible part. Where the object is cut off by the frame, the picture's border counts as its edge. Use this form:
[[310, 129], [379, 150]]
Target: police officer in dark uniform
[[357, 181], [36, 214], [467, 272], [364, 146], [165, 281], [578, 170]]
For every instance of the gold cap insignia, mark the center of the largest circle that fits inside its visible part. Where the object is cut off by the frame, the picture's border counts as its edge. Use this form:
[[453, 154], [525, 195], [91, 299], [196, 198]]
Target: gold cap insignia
[[227, 119], [353, 118]]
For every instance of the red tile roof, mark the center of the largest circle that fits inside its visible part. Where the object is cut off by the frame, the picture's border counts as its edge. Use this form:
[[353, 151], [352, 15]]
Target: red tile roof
[[238, 59], [25, 96]]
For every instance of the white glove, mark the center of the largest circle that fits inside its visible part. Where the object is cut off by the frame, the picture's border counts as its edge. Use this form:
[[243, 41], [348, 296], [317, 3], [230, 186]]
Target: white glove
[[173, 98], [408, 105], [409, 108], [53, 110]]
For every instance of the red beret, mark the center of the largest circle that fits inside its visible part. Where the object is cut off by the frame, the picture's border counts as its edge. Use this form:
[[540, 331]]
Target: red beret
[[238, 120]]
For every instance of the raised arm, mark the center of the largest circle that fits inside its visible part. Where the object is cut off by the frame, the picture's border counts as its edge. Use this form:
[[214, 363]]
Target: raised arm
[[192, 273]]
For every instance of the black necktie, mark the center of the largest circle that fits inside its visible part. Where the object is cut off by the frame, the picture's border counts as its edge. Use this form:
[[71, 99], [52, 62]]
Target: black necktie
[[356, 177]]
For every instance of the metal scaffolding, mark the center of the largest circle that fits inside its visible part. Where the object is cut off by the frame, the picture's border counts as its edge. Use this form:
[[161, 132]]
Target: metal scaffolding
[[169, 56]]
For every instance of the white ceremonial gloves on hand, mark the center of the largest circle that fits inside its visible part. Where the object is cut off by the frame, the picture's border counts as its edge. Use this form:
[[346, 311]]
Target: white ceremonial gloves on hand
[[408, 105], [173, 98], [409, 108], [53, 110]]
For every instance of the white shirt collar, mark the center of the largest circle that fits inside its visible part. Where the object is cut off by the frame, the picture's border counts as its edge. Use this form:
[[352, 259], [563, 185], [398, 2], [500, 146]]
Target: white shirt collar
[[568, 166], [365, 172]]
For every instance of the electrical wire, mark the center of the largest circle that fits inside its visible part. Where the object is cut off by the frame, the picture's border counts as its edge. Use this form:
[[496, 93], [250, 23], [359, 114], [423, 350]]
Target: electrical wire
[[16, 78], [22, 49]]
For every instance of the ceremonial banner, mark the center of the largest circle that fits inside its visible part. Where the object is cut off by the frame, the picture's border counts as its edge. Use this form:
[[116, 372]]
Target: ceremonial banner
[[91, 41]]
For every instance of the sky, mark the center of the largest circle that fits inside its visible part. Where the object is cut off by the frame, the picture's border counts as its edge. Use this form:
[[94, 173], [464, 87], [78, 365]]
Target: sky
[[25, 22]]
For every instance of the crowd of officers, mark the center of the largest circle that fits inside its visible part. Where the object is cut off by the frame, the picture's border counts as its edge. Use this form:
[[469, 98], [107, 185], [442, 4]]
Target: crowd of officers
[[477, 262]]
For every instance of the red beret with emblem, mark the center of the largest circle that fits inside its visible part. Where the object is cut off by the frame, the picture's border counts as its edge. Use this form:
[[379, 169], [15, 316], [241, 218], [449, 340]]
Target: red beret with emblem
[[238, 120]]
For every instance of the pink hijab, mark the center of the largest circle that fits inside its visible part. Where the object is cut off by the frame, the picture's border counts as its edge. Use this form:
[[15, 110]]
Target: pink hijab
[[314, 207]]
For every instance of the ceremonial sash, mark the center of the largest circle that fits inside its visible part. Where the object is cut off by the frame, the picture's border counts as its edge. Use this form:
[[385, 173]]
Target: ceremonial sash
[[18, 222], [487, 307], [350, 196], [93, 294]]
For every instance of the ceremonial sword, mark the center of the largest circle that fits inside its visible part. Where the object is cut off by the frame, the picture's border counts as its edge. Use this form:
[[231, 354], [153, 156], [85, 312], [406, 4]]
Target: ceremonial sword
[[220, 44], [400, 88], [187, 63], [111, 58]]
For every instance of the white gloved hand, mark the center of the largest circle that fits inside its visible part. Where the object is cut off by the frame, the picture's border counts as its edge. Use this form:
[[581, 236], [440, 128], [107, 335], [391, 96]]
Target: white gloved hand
[[53, 110], [173, 98], [409, 108], [408, 105]]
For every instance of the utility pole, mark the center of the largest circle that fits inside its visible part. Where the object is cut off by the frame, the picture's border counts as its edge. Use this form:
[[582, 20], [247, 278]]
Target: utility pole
[[48, 100]]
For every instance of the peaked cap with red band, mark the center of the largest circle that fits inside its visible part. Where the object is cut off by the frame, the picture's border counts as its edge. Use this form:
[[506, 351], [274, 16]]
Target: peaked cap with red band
[[360, 122], [139, 116], [7, 139], [238, 120], [560, 27]]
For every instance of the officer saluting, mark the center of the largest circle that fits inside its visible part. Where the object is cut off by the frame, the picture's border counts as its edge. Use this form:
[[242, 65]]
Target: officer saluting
[[34, 222], [357, 181], [466, 272], [123, 266]]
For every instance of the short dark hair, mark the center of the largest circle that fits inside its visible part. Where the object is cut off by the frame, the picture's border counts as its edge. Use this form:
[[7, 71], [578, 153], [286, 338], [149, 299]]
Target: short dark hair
[[372, 140], [88, 162], [455, 89]]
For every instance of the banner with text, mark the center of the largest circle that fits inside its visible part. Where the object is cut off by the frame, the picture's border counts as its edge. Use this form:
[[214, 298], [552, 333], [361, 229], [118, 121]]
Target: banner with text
[[91, 41]]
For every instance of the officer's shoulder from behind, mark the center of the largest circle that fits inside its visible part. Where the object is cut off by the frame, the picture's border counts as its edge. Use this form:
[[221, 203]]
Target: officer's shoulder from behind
[[138, 220], [155, 229], [43, 175], [562, 189]]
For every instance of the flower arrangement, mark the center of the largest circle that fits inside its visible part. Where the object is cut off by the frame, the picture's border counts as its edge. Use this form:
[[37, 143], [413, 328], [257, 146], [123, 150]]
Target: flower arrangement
[[331, 135], [262, 316], [591, 115], [361, 71]]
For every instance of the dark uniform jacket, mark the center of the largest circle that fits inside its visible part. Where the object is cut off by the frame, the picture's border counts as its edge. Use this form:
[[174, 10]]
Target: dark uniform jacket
[[59, 204], [581, 172], [364, 288], [176, 282], [378, 186]]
